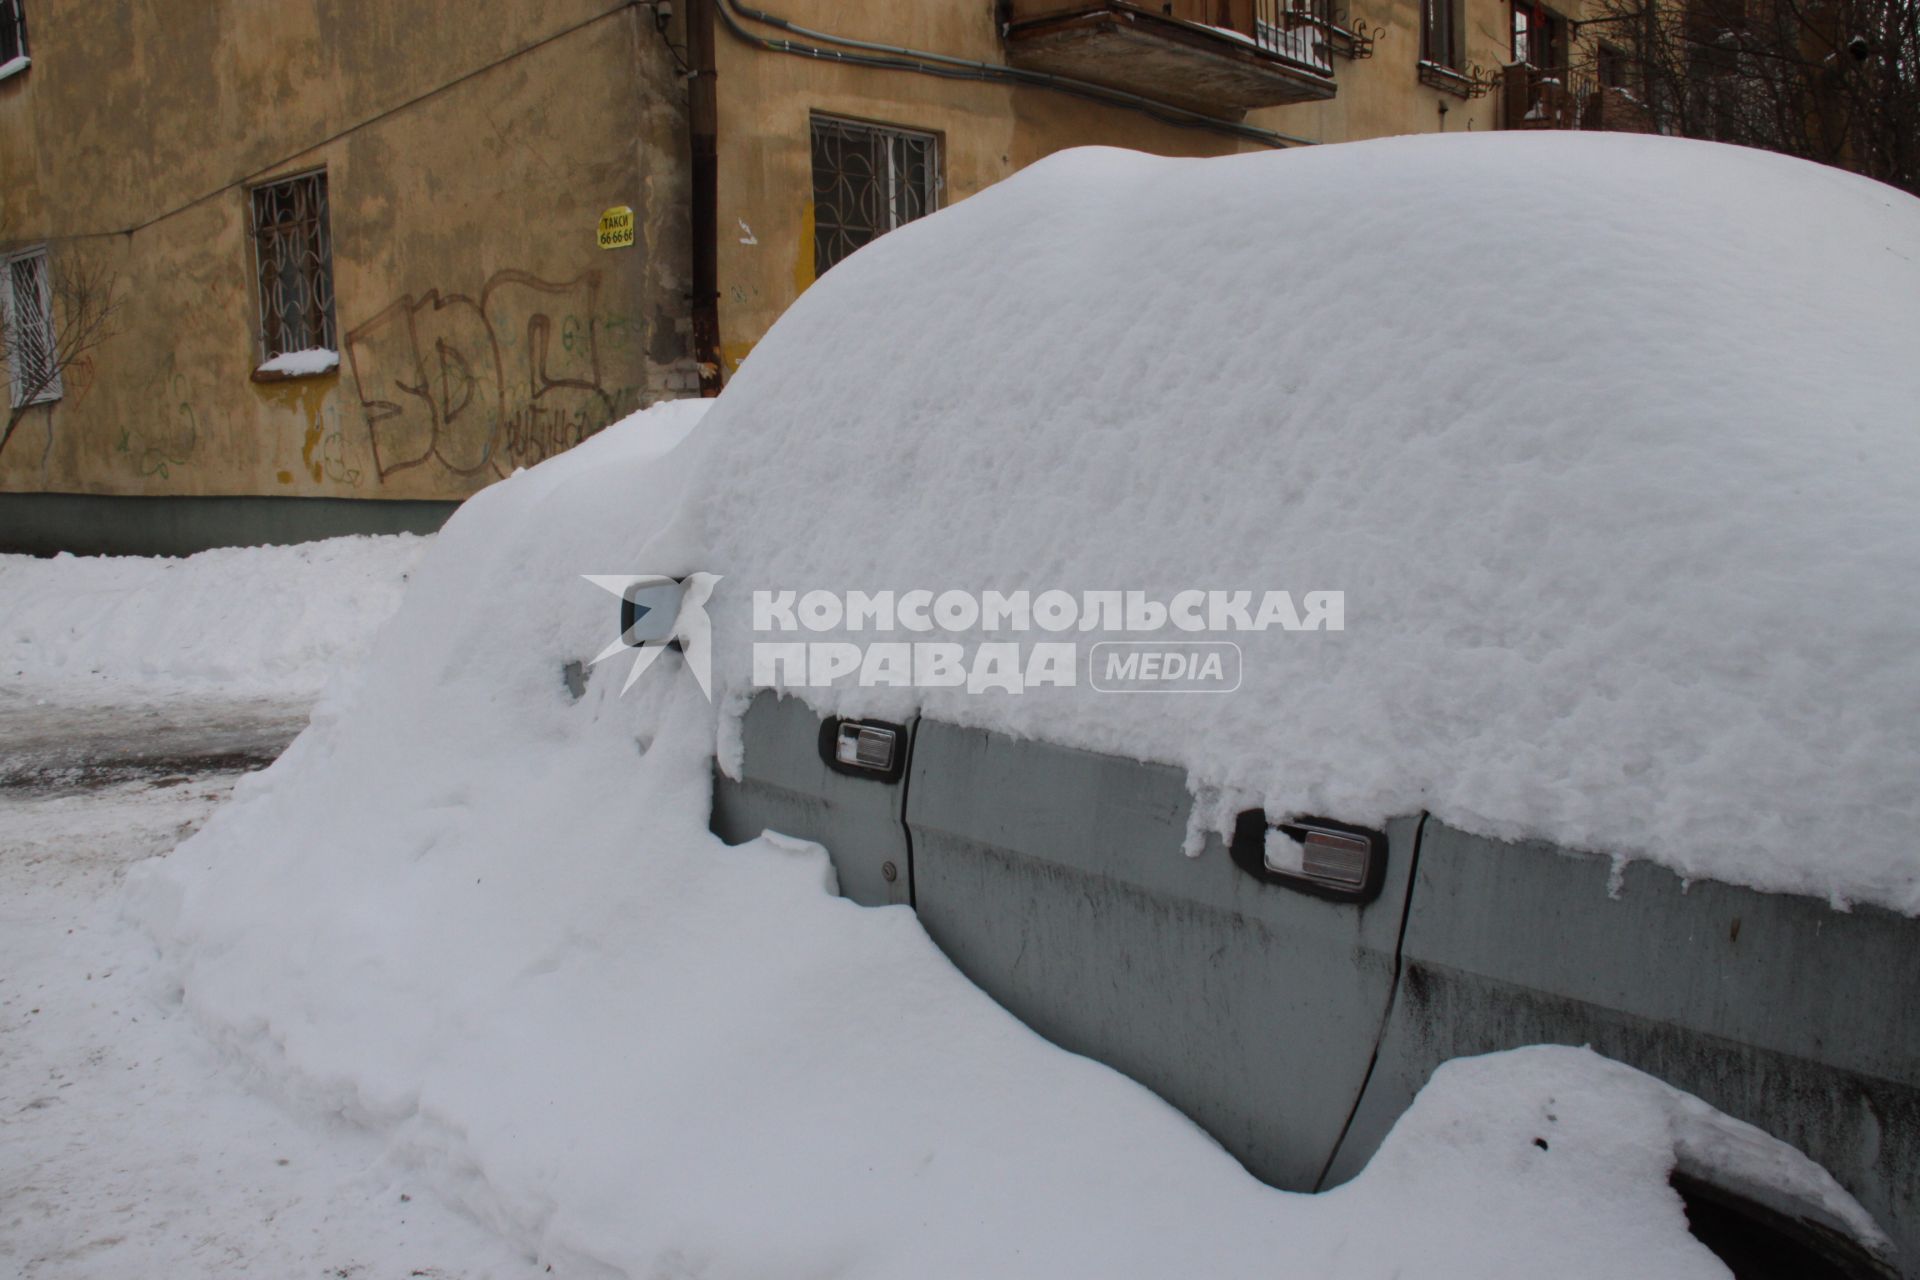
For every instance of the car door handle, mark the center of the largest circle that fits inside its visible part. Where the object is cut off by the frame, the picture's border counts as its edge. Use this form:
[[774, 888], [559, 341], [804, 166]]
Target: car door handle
[[872, 749], [1313, 855]]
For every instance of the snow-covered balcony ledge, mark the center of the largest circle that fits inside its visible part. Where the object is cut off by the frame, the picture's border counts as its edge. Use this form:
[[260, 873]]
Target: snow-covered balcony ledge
[[315, 362], [1172, 53]]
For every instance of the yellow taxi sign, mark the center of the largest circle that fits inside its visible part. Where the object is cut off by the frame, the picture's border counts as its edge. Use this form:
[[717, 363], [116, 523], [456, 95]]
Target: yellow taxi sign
[[616, 228]]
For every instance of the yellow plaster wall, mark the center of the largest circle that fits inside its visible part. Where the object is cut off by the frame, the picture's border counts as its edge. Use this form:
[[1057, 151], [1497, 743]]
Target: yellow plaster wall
[[480, 326]]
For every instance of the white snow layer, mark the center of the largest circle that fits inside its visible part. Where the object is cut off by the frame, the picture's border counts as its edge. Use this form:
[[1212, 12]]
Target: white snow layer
[[487, 920], [245, 622], [296, 364], [1611, 442]]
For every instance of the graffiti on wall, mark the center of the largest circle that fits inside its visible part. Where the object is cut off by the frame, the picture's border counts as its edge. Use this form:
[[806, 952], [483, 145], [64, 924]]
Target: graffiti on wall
[[333, 461], [170, 438], [481, 385]]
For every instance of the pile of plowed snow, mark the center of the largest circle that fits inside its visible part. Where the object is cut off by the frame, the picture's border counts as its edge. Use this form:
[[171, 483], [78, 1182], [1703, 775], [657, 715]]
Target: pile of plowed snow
[[272, 622]]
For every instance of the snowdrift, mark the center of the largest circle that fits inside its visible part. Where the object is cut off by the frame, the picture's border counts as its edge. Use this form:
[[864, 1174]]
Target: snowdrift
[[270, 622], [484, 916], [1612, 443]]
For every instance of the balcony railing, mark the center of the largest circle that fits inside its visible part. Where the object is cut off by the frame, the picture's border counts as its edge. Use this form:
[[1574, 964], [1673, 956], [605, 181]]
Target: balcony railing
[[1553, 98], [1308, 32], [1295, 30], [1218, 56]]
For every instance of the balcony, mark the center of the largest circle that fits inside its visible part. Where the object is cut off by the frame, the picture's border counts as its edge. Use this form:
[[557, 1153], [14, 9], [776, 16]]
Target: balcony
[[1218, 57], [1551, 98]]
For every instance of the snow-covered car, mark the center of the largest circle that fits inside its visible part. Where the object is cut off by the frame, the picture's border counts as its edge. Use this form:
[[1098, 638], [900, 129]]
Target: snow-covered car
[[1612, 446], [1609, 443]]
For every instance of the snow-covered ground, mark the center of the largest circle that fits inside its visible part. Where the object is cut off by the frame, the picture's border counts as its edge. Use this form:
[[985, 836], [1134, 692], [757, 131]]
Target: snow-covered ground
[[131, 1146], [139, 692]]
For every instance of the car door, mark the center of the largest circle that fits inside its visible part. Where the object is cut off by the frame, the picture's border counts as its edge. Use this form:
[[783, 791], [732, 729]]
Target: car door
[[1778, 1009], [1054, 878], [805, 777]]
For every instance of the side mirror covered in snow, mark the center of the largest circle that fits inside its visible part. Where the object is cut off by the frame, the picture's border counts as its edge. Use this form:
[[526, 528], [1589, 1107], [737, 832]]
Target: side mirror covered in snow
[[648, 610]]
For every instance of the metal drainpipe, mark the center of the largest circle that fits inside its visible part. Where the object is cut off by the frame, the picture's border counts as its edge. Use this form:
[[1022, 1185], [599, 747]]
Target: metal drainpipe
[[703, 121]]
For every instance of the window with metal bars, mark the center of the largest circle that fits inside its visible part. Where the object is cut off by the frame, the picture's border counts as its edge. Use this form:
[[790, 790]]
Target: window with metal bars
[[13, 33], [293, 255], [867, 180], [26, 309]]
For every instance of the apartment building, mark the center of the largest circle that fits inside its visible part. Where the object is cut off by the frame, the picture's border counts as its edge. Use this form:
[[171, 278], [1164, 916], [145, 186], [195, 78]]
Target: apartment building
[[348, 261]]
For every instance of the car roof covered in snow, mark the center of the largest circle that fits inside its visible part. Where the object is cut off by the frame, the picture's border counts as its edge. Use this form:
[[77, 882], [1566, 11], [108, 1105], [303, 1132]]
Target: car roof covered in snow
[[1610, 442]]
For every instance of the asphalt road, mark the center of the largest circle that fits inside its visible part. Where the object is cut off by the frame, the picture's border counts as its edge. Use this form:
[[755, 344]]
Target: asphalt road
[[55, 748]]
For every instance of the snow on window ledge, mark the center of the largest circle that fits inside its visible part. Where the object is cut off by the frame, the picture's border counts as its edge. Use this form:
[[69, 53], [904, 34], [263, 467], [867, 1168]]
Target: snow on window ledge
[[1448, 79], [311, 363], [14, 66]]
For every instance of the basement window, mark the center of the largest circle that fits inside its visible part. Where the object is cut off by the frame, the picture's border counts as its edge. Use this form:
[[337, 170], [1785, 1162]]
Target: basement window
[[13, 37], [26, 312], [867, 180], [293, 259]]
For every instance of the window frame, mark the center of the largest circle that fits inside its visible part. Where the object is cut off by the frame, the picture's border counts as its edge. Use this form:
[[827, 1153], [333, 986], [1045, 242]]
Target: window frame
[[1549, 37], [267, 315], [1522, 36], [9, 318], [932, 195], [1612, 67], [13, 13], [1454, 57]]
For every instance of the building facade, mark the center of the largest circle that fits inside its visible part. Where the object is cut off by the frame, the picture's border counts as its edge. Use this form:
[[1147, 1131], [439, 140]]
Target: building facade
[[359, 258]]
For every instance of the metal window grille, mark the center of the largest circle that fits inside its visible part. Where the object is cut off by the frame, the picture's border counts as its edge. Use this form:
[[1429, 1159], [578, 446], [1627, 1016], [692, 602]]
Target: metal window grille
[[867, 180], [31, 346], [13, 30], [293, 254]]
